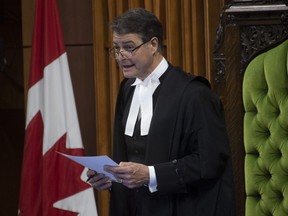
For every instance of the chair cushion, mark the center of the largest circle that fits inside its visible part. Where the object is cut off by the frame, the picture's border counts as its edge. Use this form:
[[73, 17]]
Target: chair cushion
[[265, 98]]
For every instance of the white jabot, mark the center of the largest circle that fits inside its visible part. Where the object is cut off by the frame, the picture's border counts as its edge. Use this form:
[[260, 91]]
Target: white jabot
[[142, 101]]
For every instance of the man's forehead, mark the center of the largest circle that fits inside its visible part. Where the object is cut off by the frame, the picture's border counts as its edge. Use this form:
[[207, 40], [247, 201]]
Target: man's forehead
[[126, 38]]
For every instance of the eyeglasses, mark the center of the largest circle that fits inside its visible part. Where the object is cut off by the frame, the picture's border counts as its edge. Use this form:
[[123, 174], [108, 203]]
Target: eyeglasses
[[127, 49]]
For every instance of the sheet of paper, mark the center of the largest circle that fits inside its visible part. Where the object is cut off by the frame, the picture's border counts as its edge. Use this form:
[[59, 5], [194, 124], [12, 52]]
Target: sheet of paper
[[94, 163]]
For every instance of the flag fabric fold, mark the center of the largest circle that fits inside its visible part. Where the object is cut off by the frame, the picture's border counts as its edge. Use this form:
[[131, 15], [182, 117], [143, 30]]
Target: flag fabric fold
[[52, 185]]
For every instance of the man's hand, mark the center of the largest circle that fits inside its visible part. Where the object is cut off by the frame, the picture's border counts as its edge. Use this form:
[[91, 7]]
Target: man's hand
[[132, 175], [98, 181]]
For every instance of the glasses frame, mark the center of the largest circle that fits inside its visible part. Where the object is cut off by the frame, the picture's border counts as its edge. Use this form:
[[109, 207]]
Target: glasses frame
[[116, 55]]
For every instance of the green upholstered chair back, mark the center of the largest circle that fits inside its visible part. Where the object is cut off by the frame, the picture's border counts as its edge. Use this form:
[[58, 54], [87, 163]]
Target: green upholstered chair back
[[265, 98]]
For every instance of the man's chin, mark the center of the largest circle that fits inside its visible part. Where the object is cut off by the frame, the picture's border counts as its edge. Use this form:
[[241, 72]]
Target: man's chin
[[128, 74]]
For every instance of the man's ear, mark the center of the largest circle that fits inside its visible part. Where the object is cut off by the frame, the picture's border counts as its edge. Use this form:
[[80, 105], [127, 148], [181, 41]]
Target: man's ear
[[154, 44]]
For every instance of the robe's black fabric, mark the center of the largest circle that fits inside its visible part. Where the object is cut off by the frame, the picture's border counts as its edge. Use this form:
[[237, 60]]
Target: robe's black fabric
[[188, 146]]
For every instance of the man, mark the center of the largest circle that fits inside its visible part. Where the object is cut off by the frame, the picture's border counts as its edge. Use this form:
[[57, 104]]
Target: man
[[169, 134]]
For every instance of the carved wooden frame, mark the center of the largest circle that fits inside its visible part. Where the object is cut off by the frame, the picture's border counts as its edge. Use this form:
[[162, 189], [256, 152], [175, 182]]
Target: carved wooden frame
[[261, 26]]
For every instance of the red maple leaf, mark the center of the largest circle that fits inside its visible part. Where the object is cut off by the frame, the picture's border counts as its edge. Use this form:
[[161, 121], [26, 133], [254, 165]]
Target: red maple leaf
[[48, 178]]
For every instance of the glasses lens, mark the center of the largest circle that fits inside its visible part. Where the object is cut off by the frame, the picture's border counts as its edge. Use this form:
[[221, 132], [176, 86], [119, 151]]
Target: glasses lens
[[116, 54], [125, 51]]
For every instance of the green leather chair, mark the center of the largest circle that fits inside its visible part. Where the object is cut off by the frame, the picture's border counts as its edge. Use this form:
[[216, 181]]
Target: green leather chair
[[265, 98]]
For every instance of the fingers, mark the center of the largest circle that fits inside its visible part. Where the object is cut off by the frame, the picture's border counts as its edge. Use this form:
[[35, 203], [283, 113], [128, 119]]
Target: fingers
[[123, 168], [101, 182], [132, 175], [121, 172], [98, 181], [90, 172]]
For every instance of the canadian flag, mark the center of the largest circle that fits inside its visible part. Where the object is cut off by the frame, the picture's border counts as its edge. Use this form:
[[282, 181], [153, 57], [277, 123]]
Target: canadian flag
[[52, 185]]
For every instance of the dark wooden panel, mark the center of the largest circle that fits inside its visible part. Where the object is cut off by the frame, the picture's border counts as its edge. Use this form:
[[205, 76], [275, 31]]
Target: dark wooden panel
[[11, 106], [76, 20], [80, 59], [11, 142], [234, 114]]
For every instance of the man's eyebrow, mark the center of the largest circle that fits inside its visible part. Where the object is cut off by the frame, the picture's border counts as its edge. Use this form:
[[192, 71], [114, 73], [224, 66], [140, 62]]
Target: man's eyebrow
[[123, 42]]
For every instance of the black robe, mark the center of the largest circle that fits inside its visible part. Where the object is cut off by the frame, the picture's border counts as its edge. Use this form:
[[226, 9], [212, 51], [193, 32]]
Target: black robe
[[188, 146]]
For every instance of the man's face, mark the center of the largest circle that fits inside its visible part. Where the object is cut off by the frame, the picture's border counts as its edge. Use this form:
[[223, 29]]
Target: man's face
[[135, 63]]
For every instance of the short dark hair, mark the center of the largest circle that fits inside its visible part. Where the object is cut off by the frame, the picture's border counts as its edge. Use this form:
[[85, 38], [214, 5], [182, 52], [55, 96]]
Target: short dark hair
[[139, 21]]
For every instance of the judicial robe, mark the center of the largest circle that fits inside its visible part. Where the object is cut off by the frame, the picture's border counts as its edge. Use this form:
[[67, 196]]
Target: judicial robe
[[188, 146]]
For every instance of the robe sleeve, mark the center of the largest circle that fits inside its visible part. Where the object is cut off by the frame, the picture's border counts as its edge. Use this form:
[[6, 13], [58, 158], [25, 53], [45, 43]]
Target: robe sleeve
[[202, 148]]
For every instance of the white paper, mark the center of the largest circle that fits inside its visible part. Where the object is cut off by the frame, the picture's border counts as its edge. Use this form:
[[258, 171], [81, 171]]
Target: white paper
[[95, 163]]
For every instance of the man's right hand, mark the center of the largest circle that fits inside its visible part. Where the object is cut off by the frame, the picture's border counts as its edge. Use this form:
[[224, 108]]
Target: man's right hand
[[99, 181]]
